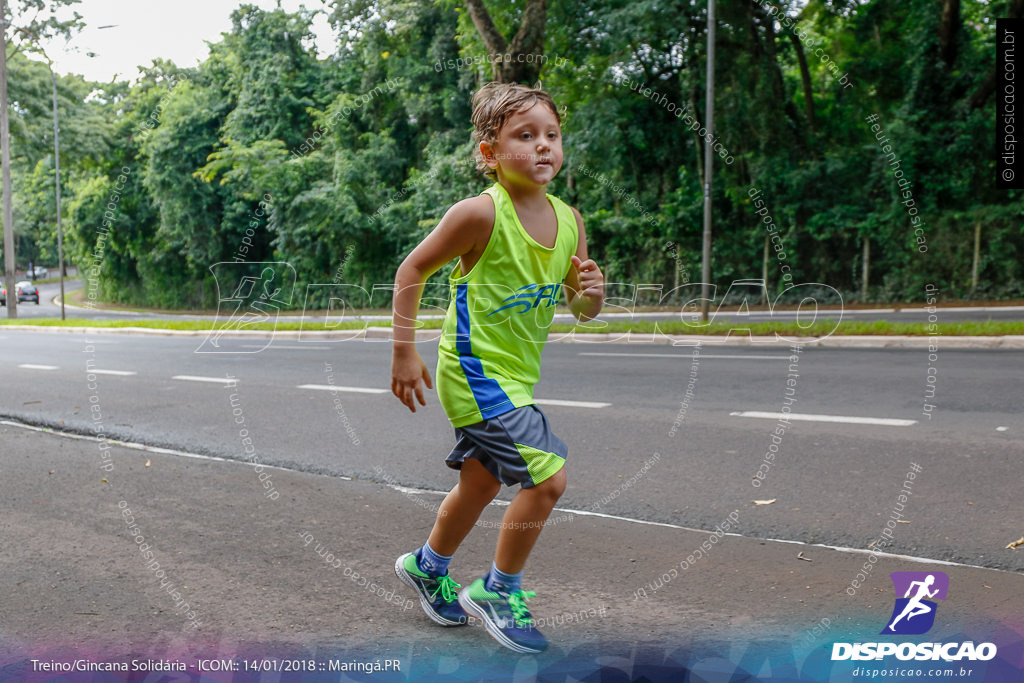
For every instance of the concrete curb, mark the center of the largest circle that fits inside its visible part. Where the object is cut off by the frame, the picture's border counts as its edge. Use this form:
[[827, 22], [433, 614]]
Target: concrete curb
[[384, 334]]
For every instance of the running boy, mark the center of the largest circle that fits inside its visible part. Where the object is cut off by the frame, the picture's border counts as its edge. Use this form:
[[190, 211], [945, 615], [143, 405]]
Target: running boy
[[516, 246]]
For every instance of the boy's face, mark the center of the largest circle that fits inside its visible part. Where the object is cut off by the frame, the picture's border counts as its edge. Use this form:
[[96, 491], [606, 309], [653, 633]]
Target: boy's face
[[528, 150]]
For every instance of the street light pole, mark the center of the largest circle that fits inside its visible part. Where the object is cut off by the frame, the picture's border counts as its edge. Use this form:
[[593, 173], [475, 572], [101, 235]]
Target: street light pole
[[5, 162], [56, 167], [56, 172], [709, 114]]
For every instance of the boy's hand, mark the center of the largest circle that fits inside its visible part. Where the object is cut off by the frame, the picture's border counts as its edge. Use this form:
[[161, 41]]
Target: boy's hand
[[407, 369], [591, 278], [588, 300]]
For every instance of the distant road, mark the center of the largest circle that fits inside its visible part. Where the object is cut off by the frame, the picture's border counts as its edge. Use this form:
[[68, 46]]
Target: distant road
[[48, 309]]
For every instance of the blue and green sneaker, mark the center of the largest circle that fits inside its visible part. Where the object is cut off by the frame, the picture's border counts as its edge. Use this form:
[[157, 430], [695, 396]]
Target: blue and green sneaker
[[505, 617], [437, 594]]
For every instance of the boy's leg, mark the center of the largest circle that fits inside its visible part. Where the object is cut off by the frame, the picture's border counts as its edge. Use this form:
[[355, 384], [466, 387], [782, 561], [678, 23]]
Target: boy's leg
[[426, 570], [462, 507], [523, 521], [497, 598]]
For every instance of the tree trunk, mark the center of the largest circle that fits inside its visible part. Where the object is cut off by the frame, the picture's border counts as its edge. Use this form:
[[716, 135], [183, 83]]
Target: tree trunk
[[977, 257], [984, 91], [520, 60], [764, 271], [775, 78], [675, 270], [948, 30], [805, 77], [866, 270], [492, 38]]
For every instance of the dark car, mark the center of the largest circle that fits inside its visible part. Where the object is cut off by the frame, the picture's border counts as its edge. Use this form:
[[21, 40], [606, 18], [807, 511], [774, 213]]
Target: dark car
[[26, 292]]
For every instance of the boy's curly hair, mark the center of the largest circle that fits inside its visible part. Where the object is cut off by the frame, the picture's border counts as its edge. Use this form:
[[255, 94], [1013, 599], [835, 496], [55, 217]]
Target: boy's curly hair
[[493, 105]]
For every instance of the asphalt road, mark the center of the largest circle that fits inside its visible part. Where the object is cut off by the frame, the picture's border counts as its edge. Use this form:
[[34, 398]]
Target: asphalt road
[[653, 453], [617, 309]]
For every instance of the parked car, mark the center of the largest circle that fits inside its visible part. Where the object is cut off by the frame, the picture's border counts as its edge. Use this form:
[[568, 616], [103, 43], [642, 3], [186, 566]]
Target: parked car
[[37, 273], [26, 292]]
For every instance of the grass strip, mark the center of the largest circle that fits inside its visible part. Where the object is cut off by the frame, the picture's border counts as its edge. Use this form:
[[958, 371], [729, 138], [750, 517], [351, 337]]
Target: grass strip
[[675, 327]]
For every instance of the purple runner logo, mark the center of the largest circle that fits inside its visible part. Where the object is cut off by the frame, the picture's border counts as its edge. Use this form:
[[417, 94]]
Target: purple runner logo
[[914, 613]]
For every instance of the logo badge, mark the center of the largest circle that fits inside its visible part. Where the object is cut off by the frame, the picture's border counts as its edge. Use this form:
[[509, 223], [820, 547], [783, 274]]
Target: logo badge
[[248, 294], [916, 592], [529, 297]]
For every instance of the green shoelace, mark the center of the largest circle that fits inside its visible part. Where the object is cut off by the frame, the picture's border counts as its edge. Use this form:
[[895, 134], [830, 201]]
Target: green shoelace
[[517, 603], [446, 586]]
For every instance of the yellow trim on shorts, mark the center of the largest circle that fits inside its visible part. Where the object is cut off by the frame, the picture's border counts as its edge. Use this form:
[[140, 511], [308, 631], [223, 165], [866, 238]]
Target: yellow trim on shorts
[[540, 465]]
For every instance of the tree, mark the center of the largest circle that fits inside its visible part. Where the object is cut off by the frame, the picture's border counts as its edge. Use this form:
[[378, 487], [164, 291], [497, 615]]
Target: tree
[[23, 28], [518, 60], [363, 151]]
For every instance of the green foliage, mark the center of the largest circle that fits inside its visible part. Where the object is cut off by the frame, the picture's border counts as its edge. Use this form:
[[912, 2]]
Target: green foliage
[[355, 157]]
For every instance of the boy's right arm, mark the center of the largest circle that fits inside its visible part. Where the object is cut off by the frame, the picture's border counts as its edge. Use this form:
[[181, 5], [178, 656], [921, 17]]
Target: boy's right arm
[[459, 233]]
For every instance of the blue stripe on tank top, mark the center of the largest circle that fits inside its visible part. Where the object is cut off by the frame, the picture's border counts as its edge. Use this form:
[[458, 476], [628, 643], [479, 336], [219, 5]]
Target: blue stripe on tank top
[[489, 396]]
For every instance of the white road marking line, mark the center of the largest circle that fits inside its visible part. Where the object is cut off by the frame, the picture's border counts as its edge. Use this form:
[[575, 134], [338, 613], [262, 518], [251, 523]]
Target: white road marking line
[[119, 373], [286, 346], [334, 387], [842, 549], [404, 489], [798, 417], [821, 312], [194, 378], [1001, 429], [143, 447], [570, 404], [684, 356], [33, 366], [965, 309]]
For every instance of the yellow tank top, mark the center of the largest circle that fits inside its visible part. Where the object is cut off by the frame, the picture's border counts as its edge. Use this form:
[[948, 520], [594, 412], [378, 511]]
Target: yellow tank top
[[499, 314]]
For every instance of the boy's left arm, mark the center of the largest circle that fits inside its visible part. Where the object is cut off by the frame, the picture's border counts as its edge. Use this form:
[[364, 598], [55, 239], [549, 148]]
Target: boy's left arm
[[584, 285]]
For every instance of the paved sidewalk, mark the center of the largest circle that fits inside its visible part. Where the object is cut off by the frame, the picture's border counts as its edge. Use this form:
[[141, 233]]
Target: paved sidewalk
[[282, 574]]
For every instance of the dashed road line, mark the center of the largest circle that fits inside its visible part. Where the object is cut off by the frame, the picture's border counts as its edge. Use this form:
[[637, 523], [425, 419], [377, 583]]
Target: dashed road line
[[293, 347], [335, 387], [196, 378], [570, 404], [33, 366], [806, 417], [684, 356]]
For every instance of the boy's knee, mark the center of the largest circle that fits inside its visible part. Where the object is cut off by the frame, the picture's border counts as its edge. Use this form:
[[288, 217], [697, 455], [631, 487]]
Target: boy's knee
[[560, 481], [554, 486]]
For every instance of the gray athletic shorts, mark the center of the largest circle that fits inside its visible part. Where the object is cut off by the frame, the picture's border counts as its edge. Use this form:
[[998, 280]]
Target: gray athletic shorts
[[516, 447]]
